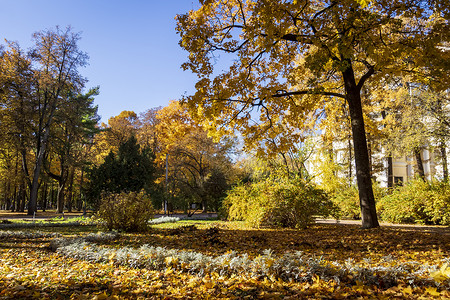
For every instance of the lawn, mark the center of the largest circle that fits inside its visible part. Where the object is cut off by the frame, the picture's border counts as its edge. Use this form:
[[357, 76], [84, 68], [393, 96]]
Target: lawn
[[217, 259]]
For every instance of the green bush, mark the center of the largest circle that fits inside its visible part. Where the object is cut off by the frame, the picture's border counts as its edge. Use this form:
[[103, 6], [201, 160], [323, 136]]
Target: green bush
[[346, 198], [417, 202], [277, 202], [128, 212]]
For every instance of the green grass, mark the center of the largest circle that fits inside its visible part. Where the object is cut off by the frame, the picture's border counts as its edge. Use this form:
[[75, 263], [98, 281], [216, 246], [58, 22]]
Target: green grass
[[201, 224]]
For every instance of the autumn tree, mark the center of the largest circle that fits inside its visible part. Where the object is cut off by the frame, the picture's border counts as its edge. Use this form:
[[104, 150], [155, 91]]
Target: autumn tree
[[119, 129], [417, 119], [56, 57], [36, 86], [75, 126], [439, 111], [198, 166], [287, 58], [147, 134], [16, 111]]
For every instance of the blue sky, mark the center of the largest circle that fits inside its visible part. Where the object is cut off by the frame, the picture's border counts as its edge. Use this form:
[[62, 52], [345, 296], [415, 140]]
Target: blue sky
[[132, 44]]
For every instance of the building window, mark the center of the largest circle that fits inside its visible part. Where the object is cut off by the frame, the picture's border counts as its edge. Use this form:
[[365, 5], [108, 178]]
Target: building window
[[398, 180]]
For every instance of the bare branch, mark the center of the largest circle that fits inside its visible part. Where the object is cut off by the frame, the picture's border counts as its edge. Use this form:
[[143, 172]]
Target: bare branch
[[363, 79]]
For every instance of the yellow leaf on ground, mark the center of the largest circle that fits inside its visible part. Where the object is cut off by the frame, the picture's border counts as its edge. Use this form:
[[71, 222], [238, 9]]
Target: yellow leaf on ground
[[432, 291]]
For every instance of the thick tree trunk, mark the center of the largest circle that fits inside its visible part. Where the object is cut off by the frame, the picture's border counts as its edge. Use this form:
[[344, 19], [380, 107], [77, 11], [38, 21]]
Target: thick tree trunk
[[420, 169], [363, 178], [32, 205], [369, 150], [60, 198], [62, 181], [286, 165]]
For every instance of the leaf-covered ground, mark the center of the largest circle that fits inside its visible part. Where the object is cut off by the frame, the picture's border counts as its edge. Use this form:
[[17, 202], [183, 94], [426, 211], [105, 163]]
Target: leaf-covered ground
[[30, 269]]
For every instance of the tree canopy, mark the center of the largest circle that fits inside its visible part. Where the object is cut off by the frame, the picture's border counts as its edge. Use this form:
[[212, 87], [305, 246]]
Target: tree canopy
[[37, 89], [287, 59]]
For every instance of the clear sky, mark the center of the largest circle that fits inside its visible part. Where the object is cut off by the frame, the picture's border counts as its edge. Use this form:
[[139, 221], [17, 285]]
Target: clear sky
[[132, 44]]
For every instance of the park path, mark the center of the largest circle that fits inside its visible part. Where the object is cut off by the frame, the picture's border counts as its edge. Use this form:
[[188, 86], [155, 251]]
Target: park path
[[407, 227]]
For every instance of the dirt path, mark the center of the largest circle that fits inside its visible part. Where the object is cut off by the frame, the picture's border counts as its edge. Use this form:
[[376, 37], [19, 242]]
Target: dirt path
[[407, 227], [6, 214]]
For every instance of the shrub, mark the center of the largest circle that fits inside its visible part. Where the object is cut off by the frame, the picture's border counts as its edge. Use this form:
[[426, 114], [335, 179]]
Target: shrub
[[126, 211], [346, 198], [417, 202], [278, 202]]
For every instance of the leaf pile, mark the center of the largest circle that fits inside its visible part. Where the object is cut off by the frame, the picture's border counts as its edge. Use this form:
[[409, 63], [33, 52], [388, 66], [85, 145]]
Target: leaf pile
[[313, 263], [289, 267]]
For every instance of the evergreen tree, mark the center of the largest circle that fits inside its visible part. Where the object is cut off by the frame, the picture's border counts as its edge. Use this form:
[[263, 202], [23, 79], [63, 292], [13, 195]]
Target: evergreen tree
[[130, 170]]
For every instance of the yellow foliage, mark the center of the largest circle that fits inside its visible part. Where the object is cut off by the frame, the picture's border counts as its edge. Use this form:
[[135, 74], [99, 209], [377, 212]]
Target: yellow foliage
[[285, 75], [30, 271], [442, 274]]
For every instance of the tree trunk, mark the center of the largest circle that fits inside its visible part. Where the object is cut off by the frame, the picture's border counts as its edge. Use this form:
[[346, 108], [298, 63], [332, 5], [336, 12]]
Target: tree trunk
[[202, 191], [363, 178], [44, 196], [80, 200], [60, 197], [350, 167], [7, 195], [390, 172], [420, 169], [369, 150], [70, 190], [69, 201], [21, 199], [32, 205], [52, 195], [14, 205], [204, 205], [390, 169], [444, 160]]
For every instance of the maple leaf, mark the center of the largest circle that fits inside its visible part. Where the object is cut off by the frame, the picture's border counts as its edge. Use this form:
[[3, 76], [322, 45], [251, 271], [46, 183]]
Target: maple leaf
[[442, 274]]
